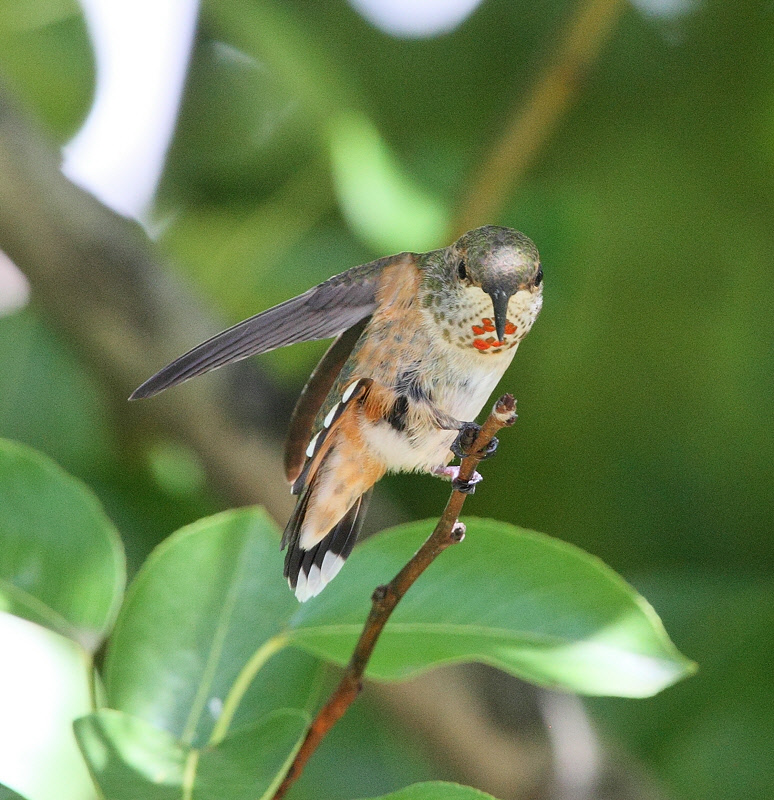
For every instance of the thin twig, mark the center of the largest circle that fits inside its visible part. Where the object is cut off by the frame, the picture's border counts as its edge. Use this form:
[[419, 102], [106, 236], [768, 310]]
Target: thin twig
[[534, 120], [447, 532]]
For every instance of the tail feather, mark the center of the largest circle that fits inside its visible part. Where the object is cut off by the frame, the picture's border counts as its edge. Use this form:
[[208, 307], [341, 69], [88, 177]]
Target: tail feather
[[309, 571]]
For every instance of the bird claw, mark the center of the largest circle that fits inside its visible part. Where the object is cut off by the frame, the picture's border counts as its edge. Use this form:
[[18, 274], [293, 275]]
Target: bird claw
[[466, 439], [490, 449], [466, 487]]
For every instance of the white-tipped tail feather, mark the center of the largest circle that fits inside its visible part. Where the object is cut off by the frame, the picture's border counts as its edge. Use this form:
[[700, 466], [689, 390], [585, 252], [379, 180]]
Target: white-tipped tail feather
[[311, 585]]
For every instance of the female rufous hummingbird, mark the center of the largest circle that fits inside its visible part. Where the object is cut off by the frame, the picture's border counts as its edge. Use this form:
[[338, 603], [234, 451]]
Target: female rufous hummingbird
[[422, 339]]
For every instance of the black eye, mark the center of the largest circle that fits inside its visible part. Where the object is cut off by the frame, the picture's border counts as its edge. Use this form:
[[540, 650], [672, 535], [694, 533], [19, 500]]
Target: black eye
[[539, 276], [461, 271]]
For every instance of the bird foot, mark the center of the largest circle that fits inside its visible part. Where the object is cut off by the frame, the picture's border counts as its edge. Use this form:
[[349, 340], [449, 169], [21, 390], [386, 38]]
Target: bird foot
[[490, 449], [466, 487], [466, 439], [452, 474]]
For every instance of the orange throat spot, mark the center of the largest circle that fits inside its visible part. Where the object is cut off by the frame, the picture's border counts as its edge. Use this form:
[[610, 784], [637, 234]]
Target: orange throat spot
[[487, 326]]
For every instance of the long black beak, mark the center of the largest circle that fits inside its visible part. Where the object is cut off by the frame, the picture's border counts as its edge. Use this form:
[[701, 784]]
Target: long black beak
[[500, 302]]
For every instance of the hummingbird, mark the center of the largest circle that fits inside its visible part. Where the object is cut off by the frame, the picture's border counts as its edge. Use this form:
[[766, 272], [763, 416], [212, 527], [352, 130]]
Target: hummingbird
[[421, 341]]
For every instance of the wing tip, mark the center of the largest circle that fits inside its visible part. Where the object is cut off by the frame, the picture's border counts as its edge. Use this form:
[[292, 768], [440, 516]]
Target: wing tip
[[140, 393], [149, 388]]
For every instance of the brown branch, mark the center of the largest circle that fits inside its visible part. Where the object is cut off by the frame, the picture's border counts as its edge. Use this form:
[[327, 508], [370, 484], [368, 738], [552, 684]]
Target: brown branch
[[95, 277], [447, 532], [532, 122]]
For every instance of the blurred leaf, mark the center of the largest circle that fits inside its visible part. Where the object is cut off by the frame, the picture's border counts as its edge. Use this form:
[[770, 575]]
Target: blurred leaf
[[44, 680], [9, 794], [18, 15], [713, 736], [436, 790], [381, 202], [46, 57], [534, 606], [47, 399], [176, 468], [132, 760], [51, 400], [280, 39], [61, 559], [201, 618], [240, 130], [250, 245]]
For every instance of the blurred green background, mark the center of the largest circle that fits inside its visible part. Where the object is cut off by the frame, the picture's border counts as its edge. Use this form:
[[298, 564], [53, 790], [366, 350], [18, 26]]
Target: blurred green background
[[308, 140]]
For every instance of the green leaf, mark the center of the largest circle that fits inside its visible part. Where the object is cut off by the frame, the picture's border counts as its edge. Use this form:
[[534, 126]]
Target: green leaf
[[529, 604], [282, 42], [44, 686], [47, 401], [61, 559], [202, 617], [713, 736], [9, 794], [291, 678], [388, 755], [57, 84], [239, 131], [131, 759], [251, 763], [436, 790]]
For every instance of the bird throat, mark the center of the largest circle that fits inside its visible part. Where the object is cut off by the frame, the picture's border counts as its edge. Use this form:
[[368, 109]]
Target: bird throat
[[466, 320]]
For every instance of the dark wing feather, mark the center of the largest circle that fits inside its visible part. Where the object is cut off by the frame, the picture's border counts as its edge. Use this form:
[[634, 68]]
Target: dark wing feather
[[313, 396], [324, 311]]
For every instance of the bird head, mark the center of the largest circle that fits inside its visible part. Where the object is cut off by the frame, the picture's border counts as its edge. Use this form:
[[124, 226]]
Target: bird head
[[498, 261]]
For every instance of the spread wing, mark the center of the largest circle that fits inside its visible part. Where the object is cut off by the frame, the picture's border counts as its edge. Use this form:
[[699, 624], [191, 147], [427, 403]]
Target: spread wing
[[324, 311]]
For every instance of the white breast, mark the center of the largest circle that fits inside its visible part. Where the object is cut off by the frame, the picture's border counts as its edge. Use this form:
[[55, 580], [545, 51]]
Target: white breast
[[460, 379], [461, 386]]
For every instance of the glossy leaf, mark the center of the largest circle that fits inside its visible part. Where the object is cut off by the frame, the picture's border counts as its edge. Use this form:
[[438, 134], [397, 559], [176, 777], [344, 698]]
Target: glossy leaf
[[44, 686], [291, 678], [201, 618], [130, 759], [251, 763], [529, 604], [61, 560], [133, 760], [436, 790]]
